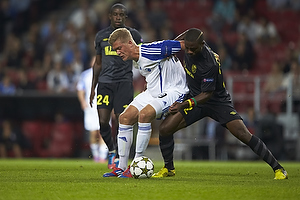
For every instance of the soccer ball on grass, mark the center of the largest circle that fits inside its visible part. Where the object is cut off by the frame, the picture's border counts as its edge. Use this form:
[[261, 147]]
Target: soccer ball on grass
[[142, 167]]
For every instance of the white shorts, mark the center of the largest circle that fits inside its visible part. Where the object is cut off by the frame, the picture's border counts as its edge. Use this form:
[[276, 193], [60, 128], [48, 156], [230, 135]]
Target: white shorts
[[161, 103], [91, 119]]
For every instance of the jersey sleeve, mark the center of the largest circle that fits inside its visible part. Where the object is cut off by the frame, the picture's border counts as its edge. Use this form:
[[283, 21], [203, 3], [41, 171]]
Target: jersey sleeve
[[209, 79], [97, 44], [160, 50], [170, 47]]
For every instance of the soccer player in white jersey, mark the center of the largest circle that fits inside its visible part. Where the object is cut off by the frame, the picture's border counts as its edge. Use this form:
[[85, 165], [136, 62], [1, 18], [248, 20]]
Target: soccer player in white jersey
[[166, 83], [91, 122]]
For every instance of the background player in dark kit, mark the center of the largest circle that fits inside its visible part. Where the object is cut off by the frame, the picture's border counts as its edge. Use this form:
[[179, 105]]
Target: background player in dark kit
[[113, 76]]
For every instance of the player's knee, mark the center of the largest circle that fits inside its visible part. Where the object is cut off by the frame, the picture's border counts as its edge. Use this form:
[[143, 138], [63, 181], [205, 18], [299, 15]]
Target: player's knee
[[145, 117], [104, 127], [125, 118], [164, 130]]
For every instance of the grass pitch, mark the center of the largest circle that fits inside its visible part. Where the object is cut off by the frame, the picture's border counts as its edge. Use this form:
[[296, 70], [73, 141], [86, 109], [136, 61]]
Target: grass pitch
[[47, 179]]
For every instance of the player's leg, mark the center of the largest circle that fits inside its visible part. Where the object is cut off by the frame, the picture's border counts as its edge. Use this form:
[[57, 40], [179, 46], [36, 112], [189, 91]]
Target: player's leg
[[167, 128], [127, 119], [91, 125], [146, 116], [125, 137], [105, 131], [105, 99], [240, 131], [123, 96], [103, 150], [94, 145]]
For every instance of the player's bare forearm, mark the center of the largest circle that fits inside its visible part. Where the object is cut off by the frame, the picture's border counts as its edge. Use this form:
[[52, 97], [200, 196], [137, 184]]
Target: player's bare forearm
[[97, 67], [203, 97], [83, 103], [176, 106]]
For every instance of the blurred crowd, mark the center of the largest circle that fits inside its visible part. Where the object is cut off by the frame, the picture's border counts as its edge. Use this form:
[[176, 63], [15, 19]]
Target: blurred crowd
[[46, 44]]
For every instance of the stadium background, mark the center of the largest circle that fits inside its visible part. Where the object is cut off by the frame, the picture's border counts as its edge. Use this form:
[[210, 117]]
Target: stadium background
[[38, 36]]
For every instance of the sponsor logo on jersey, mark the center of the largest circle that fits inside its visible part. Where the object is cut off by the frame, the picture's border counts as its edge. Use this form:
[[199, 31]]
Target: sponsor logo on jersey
[[109, 51], [208, 80], [233, 113]]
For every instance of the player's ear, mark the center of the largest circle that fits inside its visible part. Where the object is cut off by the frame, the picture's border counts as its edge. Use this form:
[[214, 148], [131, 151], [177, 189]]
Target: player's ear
[[130, 43], [182, 44]]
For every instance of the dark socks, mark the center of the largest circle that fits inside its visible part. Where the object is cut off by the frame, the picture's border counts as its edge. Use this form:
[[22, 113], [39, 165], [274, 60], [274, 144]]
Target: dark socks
[[259, 147], [166, 145], [105, 132]]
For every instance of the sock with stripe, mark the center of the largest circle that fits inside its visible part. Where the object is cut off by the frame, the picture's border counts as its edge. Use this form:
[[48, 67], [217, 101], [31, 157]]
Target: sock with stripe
[[142, 138], [125, 138], [166, 145], [259, 147]]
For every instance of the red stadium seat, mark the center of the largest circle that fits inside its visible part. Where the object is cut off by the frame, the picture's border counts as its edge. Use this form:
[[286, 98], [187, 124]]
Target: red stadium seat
[[62, 140], [32, 130]]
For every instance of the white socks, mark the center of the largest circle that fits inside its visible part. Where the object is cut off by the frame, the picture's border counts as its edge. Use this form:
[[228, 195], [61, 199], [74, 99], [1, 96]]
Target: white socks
[[143, 137], [99, 152], [125, 138], [95, 151], [103, 151]]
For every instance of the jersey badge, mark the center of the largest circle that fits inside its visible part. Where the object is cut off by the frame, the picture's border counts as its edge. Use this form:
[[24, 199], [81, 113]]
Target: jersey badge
[[233, 113], [194, 69]]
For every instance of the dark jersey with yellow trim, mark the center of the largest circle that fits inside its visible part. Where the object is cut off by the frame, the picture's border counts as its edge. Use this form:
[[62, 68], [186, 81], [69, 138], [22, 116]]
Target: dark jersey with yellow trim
[[114, 69], [204, 74]]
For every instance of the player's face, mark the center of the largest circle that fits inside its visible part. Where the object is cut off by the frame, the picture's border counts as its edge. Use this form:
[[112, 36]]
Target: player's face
[[122, 49], [117, 18], [192, 48]]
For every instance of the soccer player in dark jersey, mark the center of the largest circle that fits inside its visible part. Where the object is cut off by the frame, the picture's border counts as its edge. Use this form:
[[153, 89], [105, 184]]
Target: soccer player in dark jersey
[[208, 97], [114, 78]]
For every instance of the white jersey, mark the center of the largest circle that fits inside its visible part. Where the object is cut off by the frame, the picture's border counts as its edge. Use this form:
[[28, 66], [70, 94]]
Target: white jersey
[[91, 120], [162, 74]]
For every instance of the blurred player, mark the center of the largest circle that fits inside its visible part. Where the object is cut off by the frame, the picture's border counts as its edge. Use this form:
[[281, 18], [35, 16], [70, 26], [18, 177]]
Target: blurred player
[[166, 84], [208, 97], [91, 121], [113, 76]]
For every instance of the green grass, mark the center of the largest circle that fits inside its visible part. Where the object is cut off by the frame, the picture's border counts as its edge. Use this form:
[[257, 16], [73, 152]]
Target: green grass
[[45, 179]]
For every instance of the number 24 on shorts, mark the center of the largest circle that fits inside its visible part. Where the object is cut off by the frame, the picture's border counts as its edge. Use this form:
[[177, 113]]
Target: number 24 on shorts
[[101, 99]]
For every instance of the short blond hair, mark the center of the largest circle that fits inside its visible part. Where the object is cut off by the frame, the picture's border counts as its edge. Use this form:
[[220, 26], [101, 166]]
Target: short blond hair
[[121, 34]]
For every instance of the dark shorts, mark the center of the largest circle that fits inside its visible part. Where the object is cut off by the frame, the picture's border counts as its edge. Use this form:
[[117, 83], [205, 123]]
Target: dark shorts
[[222, 113], [115, 96]]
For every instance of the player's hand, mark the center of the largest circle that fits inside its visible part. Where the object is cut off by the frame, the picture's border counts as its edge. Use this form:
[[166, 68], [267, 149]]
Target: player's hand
[[84, 105], [175, 107], [92, 95]]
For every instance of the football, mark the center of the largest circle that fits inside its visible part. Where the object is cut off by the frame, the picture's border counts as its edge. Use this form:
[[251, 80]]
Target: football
[[141, 167]]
